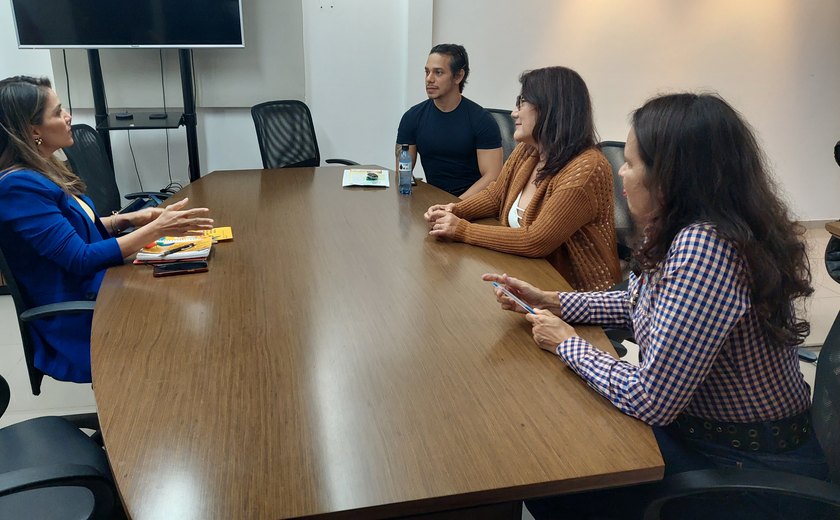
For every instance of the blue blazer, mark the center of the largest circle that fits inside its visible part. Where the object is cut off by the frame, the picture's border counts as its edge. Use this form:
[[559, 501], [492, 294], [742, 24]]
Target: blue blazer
[[57, 253]]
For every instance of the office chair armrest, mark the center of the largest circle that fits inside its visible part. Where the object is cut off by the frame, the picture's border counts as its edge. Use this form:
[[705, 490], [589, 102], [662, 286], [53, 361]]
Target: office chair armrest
[[342, 161], [616, 336], [624, 252], [619, 335], [56, 475], [62, 475], [54, 309], [89, 421], [728, 480], [620, 349], [156, 195]]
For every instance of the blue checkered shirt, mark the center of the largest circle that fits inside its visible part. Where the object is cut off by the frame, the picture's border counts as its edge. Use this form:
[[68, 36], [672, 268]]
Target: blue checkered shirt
[[701, 350]]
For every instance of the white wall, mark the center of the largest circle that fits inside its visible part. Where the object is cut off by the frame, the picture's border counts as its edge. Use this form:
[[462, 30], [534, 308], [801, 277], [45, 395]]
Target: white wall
[[777, 61], [356, 57], [357, 54]]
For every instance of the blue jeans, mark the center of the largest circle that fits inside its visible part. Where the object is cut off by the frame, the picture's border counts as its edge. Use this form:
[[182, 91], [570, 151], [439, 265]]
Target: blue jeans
[[682, 455]]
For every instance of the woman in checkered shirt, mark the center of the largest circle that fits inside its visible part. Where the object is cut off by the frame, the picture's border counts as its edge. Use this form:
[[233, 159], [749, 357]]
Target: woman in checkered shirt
[[720, 262]]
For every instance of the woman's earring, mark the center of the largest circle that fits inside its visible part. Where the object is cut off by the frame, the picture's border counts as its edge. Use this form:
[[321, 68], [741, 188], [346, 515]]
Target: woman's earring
[[38, 141]]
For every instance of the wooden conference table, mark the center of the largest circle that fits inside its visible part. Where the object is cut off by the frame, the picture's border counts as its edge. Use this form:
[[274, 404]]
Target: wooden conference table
[[833, 228], [338, 361]]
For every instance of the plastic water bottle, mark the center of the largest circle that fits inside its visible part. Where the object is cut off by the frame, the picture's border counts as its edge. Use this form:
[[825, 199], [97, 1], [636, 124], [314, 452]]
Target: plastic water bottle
[[405, 171]]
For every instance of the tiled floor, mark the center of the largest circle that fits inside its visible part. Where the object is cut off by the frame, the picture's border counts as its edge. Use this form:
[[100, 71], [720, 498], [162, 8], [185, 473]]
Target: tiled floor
[[66, 398]]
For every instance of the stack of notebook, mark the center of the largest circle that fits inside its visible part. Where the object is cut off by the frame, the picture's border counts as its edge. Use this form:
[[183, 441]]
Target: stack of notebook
[[181, 249]]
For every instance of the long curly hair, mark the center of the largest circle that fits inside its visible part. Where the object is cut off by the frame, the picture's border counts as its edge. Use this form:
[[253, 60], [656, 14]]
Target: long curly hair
[[22, 104], [703, 163]]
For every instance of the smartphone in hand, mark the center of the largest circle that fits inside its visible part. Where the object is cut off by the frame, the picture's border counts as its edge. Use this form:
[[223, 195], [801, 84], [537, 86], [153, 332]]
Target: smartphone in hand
[[514, 298], [176, 268]]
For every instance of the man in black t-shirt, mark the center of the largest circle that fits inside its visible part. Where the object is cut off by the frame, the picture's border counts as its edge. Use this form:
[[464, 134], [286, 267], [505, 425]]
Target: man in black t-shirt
[[458, 141]]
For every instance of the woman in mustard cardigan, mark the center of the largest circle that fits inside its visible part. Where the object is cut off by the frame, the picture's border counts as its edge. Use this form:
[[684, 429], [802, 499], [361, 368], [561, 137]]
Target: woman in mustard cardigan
[[554, 196]]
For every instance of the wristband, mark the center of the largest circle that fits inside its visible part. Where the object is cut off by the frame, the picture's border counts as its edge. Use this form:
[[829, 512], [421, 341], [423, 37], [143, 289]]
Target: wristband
[[115, 229]]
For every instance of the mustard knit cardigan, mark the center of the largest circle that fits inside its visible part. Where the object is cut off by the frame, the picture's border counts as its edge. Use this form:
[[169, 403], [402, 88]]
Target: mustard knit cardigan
[[569, 221]]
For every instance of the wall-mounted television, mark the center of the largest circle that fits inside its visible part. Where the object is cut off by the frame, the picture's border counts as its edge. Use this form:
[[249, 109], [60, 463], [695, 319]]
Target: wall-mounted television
[[97, 24]]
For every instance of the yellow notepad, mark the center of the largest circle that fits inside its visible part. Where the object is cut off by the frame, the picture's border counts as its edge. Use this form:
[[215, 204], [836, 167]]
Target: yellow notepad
[[219, 234]]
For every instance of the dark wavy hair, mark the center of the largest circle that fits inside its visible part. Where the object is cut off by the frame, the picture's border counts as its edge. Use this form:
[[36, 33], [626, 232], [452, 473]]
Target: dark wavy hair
[[22, 103], [703, 163], [458, 60], [565, 127]]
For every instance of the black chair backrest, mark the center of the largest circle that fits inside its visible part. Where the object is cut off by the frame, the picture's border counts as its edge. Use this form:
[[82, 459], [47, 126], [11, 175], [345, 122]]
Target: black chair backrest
[[89, 160], [832, 258], [825, 410], [5, 395], [614, 151], [285, 134], [506, 127], [35, 375]]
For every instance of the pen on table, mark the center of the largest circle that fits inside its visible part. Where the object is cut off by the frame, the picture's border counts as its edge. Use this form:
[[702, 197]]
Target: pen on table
[[175, 250]]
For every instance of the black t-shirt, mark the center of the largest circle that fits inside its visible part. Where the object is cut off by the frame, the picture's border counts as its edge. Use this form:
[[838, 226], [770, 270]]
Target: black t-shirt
[[446, 141]]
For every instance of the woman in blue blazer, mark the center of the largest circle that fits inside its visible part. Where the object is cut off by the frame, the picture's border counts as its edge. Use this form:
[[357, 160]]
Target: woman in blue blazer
[[56, 246]]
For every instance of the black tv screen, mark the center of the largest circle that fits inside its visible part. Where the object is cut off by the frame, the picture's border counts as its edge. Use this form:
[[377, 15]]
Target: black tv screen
[[128, 23]]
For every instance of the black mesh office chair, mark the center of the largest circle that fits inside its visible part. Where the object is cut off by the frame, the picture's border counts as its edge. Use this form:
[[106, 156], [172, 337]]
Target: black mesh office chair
[[825, 412], [89, 160], [837, 153], [27, 314], [614, 151], [51, 469], [506, 127], [286, 135], [832, 250]]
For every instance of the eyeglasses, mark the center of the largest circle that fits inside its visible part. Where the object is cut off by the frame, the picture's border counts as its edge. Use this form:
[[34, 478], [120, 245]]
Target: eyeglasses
[[519, 100]]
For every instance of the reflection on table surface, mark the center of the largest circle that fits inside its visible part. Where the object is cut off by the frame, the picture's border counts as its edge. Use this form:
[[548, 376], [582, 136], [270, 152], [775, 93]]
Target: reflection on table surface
[[337, 359]]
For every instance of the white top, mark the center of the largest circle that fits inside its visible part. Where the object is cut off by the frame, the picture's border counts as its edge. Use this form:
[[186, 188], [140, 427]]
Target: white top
[[515, 212]]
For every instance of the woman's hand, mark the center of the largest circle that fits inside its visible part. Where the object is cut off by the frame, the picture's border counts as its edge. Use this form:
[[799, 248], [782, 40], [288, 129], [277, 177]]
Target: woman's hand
[[522, 290], [174, 220], [143, 216], [445, 226], [549, 330], [437, 211]]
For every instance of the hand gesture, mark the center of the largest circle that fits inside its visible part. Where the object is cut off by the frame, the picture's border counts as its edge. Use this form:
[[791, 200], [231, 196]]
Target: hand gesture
[[522, 290], [174, 220], [549, 330], [437, 211], [445, 226], [143, 216]]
